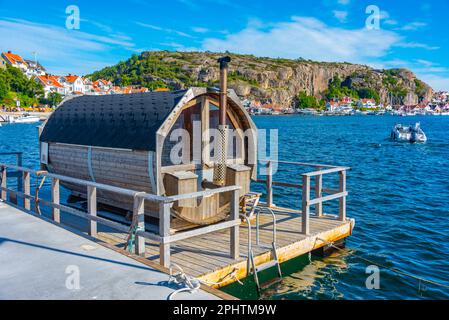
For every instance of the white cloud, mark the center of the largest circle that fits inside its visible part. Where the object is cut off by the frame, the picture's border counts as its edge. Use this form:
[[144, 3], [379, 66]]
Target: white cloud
[[438, 83], [60, 49], [167, 30], [342, 16], [416, 45], [309, 38], [413, 26], [200, 29]]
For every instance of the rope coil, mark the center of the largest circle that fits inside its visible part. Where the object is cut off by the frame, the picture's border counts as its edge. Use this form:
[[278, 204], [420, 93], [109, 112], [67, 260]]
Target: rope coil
[[192, 284], [36, 196]]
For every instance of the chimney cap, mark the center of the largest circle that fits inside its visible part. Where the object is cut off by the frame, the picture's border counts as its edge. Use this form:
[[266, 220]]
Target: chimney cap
[[9, 51], [224, 61]]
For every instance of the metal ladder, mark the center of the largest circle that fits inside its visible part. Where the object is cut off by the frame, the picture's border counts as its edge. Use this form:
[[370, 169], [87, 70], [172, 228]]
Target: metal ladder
[[251, 265]]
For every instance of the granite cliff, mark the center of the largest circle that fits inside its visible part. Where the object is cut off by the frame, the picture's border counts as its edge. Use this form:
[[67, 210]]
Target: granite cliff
[[271, 80]]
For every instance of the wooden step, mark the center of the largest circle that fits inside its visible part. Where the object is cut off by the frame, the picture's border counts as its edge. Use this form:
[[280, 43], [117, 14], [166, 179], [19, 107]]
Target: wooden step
[[266, 265]]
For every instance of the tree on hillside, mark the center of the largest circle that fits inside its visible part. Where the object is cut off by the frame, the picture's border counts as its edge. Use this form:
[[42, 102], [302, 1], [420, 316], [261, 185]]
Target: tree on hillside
[[4, 87], [54, 98], [305, 101], [14, 84], [337, 90], [368, 93]]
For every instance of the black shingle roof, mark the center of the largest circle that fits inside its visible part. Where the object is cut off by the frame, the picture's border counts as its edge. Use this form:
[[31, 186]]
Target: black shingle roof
[[128, 121]]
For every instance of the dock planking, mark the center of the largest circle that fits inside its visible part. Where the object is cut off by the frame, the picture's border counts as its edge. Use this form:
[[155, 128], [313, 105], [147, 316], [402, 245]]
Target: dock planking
[[207, 256]]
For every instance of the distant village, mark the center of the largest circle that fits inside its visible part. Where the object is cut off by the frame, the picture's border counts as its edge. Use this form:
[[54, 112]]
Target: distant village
[[67, 85], [349, 106], [64, 85]]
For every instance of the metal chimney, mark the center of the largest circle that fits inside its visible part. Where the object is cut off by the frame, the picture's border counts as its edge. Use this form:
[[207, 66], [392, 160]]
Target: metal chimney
[[220, 164]]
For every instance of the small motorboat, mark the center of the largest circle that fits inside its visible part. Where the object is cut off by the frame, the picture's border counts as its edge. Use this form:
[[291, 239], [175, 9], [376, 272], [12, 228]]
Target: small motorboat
[[408, 133], [25, 118]]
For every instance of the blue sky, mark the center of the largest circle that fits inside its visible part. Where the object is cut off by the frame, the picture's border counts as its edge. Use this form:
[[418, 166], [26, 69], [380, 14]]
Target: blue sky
[[412, 34]]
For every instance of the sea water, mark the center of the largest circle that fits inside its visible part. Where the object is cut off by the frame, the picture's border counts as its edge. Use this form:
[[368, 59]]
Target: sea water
[[398, 195]]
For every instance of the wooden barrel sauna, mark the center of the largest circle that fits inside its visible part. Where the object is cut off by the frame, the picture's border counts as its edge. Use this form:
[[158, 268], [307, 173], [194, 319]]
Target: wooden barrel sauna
[[126, 141]]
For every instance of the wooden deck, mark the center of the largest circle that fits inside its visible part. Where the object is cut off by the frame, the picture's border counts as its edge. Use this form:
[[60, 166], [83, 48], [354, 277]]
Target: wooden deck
[[207, 256]]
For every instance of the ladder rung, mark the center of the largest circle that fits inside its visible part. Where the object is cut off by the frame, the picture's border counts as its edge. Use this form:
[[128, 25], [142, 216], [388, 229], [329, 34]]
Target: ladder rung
[[266, 265], [269, 283]]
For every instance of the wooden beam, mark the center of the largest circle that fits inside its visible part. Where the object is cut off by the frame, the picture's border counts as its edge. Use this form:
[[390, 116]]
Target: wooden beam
[[319, 194], [92, 209], [19, 177], [26, 190], [198, 194], [201, 231], [269, 185], [328, 171], [139, 215], [342, 205], [164, 231], [235, 233], [328, 198], [4, 193], [56, 213], [305, 204]]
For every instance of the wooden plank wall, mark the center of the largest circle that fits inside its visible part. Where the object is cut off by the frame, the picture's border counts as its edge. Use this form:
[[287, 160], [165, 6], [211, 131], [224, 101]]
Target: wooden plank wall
[[117, 167]]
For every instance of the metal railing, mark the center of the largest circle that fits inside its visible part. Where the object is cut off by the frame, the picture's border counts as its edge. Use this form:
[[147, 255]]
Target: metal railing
[[306, 187], [163, 237]]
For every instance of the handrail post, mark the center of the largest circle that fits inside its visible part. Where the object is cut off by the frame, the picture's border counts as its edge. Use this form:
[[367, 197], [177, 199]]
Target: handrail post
[[56, 213], [319, 194], [92, 209], [164, 231], [139, 214], [305, 204], [342, 205], [3, 192], [235, 233], [269, 184], [19, 178], [26, 190]]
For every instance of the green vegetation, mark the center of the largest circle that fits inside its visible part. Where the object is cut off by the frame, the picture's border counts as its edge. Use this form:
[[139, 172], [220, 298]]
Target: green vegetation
[[305, 101], [53, 99], [15, 85], [368, 93], [421, 89], [235, 75], [337, 90]]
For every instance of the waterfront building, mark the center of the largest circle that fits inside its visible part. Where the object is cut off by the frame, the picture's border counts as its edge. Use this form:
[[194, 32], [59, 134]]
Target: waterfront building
[[51, 84], [367, 103], [15, 60]]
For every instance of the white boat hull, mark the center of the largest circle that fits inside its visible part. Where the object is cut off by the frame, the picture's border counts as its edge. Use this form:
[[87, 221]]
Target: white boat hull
[[30, 119], [408, 133]]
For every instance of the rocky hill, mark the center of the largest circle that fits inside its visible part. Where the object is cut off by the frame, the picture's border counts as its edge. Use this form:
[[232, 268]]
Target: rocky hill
[[270, 80]]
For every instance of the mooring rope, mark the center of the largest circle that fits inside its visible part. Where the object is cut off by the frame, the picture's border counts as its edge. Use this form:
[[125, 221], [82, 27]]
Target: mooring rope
[[403, 273], [192, 284], [36, 196]]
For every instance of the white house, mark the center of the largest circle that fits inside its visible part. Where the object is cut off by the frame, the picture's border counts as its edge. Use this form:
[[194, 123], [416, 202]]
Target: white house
[[367, 103], [88, 86], [73, 84], [332, 106], [51, 84], [34, 69], [15, 60]]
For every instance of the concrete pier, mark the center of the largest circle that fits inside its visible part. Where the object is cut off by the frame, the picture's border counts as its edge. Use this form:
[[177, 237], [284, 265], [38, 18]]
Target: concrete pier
[[40, 260]]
